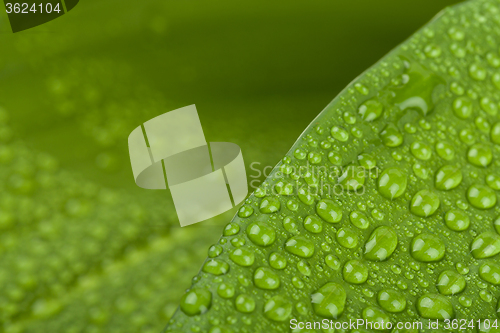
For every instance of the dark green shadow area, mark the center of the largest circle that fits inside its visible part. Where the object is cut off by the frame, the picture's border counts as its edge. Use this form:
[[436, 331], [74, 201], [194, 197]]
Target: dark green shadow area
[[70, 4]]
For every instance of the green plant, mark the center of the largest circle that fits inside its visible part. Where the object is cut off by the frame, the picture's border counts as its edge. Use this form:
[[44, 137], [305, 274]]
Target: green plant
[[414, 236]]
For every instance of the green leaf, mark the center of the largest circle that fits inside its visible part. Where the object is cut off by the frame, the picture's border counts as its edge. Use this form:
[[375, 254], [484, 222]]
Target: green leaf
[[419, 113]]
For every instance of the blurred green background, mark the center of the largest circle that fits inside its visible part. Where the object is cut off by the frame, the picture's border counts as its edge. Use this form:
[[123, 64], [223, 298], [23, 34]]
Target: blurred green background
[[82, 248]]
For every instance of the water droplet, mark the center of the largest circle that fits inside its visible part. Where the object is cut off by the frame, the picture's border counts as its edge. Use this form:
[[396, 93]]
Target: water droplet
[[445, 151], [488, 106], [284, 188], [477, 72], [467, 136], [286, 169], [231, 229], [270, 205], [420, 171], [353, 178], [244, 303], [225, 290], [245, 211], [292, 205], [347, 238], [435, 306], [312, 142], [424, 203], [391, 300], [216, 267], [392, 183], [485, 245], [381, 244], [457, 50], [448, 177], [278, 308], [261, 234], [214, 251], [367, 161], [361, 88], [490, 272], [480, 155], [305, 196], [339, 133], [277, 260], [495, 133], [302, 308], [299, 154], [242, 256], [410, 128], [416, 94], [493, 181], [391, 136], [329, 301], [314, 157], [304, 268], [332, 261], [481, 196], [329, 211], [297, 283], [450, 283], [311, 179], [371, 110], [396, 269], [495, 79], [335, 157], [325, 144], [313, 224], [462, 107], [300, 246], [465, 301], [427, 248], [196, 301], [355, 272], [432, 51], [265, 278], [457, 220], [359, 220], [357, 132], [260, 192], [462, 268], [238, 241], [493, 59], [290, 225], [456, 34], [482, 124], [377, 214], [486, 296], [372, 314], [421, 150]]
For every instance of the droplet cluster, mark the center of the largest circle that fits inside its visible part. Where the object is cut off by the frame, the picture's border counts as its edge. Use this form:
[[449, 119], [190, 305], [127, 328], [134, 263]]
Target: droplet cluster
[[70, 247]]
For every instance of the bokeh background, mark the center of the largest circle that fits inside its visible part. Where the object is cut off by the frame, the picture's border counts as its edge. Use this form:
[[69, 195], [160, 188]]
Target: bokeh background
[[82, 249]]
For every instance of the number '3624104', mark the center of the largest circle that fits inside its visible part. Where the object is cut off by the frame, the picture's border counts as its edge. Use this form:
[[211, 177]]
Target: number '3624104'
[[31, 13]]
